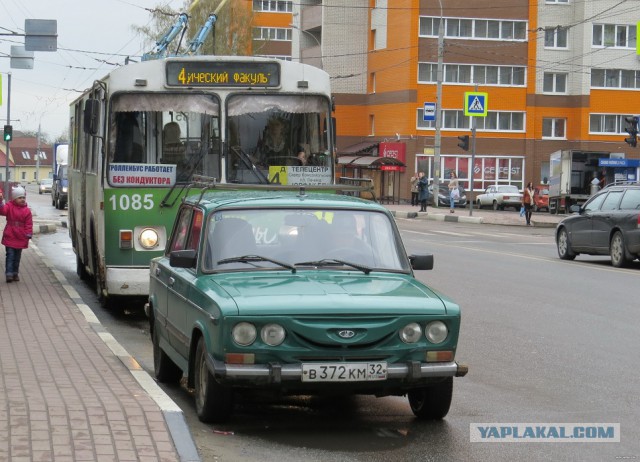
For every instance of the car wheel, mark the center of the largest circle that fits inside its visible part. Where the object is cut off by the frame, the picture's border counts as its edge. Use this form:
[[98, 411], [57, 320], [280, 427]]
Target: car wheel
[[617, 250], [495, 205], [214, 402], [40, 192], [432, 402], [564, 247], [479, 204], [165, 370]]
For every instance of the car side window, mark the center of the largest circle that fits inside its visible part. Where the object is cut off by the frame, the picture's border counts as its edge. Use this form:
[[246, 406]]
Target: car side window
[[594, 204], [181, 230], [611, 201], [631, 200]]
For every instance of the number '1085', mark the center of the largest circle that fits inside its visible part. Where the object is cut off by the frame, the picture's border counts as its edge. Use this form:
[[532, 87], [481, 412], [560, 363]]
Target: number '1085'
[[133, 202]]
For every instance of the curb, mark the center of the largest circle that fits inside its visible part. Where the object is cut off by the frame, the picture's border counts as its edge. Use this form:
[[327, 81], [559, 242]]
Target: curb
[[437, 217], [174, 417], [44, 227]]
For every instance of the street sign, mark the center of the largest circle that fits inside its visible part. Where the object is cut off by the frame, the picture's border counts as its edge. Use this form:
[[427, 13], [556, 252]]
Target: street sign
[[475, 103], [41, 34], [429, 112], [20, 58]]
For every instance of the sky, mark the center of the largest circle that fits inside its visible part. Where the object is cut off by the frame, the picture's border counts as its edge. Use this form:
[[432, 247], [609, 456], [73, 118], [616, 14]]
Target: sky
[[91, 34]]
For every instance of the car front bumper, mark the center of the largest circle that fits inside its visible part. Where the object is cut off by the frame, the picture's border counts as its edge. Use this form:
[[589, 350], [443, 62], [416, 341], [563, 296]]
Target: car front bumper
[[275, 374]]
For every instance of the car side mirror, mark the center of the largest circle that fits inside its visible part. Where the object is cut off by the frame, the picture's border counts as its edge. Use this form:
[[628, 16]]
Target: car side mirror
[[183, 258], [421, 262]]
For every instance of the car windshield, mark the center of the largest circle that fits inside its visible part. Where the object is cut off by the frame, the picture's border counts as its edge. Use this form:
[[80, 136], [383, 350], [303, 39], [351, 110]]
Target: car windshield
[[46, 181], [306, 238]]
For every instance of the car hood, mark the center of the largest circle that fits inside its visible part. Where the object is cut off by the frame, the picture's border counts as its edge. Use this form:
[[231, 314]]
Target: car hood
[[342, 292]]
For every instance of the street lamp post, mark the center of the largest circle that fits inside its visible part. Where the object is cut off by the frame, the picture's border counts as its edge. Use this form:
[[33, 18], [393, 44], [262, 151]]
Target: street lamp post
[[293, 26], [438, 137]]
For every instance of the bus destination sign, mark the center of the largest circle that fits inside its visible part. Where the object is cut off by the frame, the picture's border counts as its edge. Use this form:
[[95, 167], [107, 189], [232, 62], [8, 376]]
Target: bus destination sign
[[223, 74]]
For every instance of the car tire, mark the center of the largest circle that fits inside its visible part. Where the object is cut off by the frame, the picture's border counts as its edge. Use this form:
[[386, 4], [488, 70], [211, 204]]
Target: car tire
[[432, 402], [618, 252], [214, 402], [479, 204], [165, 370], [495, 205], [564, 246]]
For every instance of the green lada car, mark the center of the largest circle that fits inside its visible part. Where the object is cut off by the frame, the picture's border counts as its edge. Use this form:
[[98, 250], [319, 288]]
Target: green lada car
[[299, 294]]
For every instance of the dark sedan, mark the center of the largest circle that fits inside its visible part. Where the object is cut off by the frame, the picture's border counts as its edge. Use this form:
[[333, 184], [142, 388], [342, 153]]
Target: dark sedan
[[608, 224], [443, 196]]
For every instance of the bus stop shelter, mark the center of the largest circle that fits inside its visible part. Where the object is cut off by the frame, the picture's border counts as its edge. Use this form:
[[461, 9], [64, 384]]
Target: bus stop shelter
[[384, 172]]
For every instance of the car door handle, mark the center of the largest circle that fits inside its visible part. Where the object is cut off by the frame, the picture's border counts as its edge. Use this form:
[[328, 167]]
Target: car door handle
[[172, 281], [157, 271]]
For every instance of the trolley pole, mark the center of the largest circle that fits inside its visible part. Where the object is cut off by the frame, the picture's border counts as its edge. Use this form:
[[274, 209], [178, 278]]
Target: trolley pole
[[7, 189]]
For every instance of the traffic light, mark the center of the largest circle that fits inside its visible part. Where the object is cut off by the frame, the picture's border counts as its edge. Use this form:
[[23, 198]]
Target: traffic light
[[8, 132], [632, 130], [464, 142]]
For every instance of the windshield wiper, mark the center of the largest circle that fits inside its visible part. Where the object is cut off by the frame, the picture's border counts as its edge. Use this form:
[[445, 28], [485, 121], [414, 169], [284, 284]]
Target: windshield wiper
[[254, 258], [334, 262]]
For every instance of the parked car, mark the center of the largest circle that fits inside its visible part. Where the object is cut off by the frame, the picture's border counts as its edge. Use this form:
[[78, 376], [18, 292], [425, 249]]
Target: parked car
[[443, 196], [298, 293], [499, 197], [607, 224], [541, 199], [45, 185]]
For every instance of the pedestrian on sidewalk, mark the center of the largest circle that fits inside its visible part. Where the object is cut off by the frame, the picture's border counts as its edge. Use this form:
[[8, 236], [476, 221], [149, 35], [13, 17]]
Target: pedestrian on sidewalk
[[454, 191], [527, 202], [414, 189], [17, 231], [423, 191]]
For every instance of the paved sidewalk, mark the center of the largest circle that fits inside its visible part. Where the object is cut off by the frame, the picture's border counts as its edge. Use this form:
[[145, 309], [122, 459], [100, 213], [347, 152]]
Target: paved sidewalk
[[495, 217], [68, 391]]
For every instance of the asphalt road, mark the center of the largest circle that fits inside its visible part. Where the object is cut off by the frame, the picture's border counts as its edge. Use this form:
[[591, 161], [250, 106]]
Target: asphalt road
[[547, 341]]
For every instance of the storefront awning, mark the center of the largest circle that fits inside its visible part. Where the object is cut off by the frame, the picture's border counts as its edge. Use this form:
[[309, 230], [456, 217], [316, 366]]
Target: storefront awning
[[369, 161]]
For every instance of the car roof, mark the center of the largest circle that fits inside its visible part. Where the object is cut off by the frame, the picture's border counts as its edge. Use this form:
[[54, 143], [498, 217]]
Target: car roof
[[255, 199]]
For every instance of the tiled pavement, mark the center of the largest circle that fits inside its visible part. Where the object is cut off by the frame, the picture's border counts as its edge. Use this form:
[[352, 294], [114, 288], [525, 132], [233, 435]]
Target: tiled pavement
[[68, 391]]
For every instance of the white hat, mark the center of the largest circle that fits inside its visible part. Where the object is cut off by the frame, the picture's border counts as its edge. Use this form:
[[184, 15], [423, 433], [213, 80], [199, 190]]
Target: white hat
[[18, 192]]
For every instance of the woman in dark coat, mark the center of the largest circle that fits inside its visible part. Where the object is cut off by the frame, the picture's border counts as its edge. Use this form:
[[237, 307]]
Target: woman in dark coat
[[423, 191]]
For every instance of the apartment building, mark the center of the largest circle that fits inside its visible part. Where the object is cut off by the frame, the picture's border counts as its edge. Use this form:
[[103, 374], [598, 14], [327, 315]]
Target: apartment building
[[557, 74]]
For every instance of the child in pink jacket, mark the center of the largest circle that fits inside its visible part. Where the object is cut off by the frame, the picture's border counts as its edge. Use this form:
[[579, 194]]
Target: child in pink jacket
[[17, 231]]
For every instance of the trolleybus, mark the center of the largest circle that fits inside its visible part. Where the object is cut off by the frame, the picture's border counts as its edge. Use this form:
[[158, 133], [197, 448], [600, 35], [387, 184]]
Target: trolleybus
[[140, 134]]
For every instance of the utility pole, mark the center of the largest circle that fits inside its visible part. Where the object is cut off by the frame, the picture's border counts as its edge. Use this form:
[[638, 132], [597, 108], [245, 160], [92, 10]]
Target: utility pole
[[7, 190], [38, 156], [438, 137]]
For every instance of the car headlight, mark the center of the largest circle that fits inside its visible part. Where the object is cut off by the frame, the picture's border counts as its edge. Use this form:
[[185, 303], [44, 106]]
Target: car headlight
[[272, 334], [244, 333], [148, 238], [64, 189], [411, 333], [436, 332]]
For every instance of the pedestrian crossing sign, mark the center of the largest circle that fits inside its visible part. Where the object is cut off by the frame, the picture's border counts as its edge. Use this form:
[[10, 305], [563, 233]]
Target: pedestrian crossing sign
[[475, 103]]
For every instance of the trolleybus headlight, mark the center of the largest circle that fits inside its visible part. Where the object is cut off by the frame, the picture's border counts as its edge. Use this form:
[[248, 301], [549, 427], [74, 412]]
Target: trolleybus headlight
[[272, 334], [148, 238], [411, 333], [244, 333], [436, 332]]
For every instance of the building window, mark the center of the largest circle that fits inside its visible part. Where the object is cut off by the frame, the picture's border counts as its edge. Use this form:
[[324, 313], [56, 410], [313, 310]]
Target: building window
[[479, 29], [273, 6], [372, 82], [614, 36], [272, 33], [607, 124], [556, 37], [554, 83], [480, 74], [372, 125], [615, 78], [456, 120], [554, 128]]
